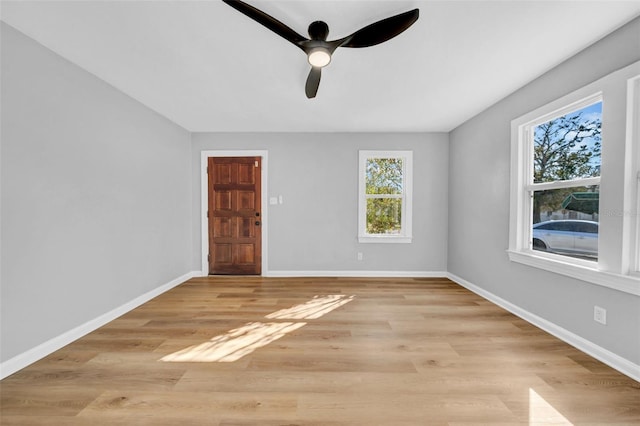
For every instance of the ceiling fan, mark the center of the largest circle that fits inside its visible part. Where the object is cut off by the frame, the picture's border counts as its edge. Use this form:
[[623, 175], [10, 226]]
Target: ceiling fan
[[317, 48]]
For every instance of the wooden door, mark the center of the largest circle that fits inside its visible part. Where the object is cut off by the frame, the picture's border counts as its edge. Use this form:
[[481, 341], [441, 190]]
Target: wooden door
[[235, 216]]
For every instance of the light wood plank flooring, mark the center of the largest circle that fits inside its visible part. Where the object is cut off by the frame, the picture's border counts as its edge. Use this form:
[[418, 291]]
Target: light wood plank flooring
[[392, 352]]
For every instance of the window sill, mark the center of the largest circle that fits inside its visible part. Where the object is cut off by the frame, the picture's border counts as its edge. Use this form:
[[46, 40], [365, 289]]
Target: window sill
[[625, 283], [384, 239]]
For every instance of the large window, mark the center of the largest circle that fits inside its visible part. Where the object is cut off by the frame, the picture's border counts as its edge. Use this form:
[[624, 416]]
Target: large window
[[575, 196], [384, 210], [631, 210], [564, 186]]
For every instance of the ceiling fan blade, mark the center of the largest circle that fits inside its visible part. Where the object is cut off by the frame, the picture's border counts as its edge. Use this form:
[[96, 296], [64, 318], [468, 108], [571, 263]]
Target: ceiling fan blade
[[381, 31], [268, 21], [313, 81]]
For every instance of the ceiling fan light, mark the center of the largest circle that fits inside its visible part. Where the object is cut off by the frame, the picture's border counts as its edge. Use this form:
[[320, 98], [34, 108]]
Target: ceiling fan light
[[319, 57]]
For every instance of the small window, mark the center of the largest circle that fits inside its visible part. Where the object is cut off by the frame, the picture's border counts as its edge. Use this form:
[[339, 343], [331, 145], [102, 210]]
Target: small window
[[385, 196]]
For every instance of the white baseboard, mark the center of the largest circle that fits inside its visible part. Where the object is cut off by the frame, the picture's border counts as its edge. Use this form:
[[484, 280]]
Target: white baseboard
[[366, 274], [623, 365], [24, 359]]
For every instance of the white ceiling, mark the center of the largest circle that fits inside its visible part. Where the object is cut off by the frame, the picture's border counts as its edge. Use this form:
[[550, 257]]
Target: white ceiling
[[207, 67]]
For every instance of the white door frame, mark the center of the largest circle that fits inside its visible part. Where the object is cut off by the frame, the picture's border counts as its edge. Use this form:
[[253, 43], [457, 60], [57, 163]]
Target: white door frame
[[204, 202]]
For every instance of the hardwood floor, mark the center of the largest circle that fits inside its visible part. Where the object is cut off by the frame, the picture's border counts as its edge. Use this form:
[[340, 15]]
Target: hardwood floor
[[384, 352]]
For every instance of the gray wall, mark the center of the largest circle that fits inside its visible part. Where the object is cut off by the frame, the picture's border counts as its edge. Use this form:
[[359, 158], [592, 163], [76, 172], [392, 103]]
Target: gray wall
[[479, 182], [96, 197], [315, 229]]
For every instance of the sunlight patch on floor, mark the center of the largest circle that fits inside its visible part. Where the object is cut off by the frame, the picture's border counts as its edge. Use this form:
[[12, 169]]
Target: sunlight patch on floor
[[543, 413], [239, 342], [313, 309], [234, 344]]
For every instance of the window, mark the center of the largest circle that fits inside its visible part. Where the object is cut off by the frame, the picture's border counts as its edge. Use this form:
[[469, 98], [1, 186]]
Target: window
[[564, 150], [558, 166], [632, 208], [384, 207], [575, 193]]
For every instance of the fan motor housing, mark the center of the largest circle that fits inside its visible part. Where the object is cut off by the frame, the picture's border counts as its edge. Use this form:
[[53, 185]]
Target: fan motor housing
[[318, 30]]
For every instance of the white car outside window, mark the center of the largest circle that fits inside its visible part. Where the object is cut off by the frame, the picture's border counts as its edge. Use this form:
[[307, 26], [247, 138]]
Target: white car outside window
[[577, 237]]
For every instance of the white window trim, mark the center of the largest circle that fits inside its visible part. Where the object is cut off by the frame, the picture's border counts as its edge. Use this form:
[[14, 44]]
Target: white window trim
[[631, 209], [519, 249], [522, 172], [406, 236]]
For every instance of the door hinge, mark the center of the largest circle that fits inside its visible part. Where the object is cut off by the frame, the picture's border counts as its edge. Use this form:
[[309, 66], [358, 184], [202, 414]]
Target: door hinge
[[207, 214], [209, 257]]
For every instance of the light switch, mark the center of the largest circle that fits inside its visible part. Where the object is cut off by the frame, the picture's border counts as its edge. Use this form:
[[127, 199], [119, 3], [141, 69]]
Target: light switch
[[273, 200], [280, 199]]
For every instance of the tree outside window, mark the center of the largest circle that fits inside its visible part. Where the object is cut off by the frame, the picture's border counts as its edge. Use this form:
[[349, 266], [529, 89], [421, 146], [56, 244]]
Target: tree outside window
[[566, 181], [566, 148], [384, 182], [385, 196]]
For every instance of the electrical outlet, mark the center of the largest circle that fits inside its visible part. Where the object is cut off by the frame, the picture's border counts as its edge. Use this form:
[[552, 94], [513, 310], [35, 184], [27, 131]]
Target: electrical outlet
[[600, 315], [360, 256]]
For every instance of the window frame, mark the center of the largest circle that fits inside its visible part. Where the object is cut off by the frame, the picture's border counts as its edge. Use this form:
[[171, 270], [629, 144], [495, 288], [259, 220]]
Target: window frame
[[631, 209], [406, 235], [526, 131], [619, 237]]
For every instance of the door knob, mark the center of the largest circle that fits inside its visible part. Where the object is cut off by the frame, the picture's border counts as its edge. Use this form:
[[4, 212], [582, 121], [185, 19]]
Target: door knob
[[257, 223]]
